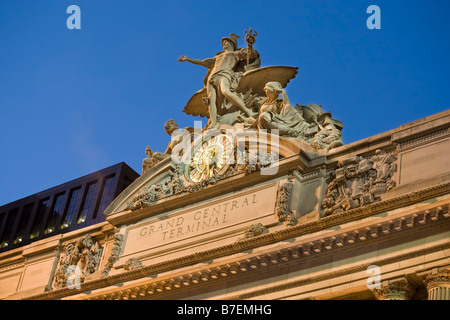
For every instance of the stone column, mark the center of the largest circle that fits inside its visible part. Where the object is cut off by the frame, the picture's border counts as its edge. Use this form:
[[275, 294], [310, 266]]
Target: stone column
[[394, 290], [438, 284]]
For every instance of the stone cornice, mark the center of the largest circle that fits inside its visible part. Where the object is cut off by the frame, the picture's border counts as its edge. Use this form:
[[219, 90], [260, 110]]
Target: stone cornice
[[426, 129], [247, 268], [436, 133], [408, 135], [339, 273], [358, 236]]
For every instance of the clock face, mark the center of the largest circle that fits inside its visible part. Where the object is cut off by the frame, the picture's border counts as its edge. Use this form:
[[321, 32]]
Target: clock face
[[210, 157]]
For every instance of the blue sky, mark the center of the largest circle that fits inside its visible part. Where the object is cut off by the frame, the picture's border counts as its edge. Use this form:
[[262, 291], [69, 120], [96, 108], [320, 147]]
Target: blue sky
[[76, 101]]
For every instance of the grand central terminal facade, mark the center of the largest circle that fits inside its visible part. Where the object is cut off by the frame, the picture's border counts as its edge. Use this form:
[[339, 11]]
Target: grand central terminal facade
[[265, 202]]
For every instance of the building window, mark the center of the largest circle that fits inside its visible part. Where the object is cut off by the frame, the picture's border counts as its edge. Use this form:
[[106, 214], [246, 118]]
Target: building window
[[107, 195], [73, 198], [54, 213], [4, 240], [87, 204], [38, 218], [23, 223]]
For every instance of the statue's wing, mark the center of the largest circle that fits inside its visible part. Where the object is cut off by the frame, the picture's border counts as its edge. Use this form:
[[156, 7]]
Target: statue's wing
[[195, 105], [256, 79]]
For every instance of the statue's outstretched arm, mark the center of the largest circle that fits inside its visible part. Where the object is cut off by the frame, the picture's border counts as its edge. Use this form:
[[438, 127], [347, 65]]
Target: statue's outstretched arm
[[208, 62]]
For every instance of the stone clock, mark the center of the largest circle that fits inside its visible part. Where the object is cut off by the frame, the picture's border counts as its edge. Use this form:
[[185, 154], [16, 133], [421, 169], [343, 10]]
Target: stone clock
[[210, 157]]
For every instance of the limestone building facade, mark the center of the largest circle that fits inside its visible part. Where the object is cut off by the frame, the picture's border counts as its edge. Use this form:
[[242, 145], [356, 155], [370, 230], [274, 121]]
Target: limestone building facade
[[367, 220], [265, 202]]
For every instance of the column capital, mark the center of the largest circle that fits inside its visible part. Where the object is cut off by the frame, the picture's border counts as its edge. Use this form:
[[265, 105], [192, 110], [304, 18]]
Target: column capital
[[394, 290], [439, 277]]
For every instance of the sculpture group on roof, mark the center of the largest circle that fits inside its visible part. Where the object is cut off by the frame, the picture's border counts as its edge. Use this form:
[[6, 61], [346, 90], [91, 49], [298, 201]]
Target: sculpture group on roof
[[237, 92]]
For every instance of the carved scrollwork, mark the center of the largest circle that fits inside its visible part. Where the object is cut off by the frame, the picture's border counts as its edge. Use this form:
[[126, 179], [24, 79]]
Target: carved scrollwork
[[359, 181]]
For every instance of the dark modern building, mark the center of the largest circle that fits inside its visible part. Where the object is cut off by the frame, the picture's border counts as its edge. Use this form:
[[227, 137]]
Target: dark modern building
[[67, 207]]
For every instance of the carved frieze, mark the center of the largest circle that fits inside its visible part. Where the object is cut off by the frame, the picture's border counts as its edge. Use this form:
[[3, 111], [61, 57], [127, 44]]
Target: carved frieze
[[359, 181], [77, 261]]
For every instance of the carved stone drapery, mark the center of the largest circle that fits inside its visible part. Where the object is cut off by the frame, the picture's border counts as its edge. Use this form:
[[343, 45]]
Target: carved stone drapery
[[282, 206], [396, 290], [77, 261], [359, 181], [438, 284]]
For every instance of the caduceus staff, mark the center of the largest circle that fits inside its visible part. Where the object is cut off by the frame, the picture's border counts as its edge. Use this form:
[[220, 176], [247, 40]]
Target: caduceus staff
[[250, 39]]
